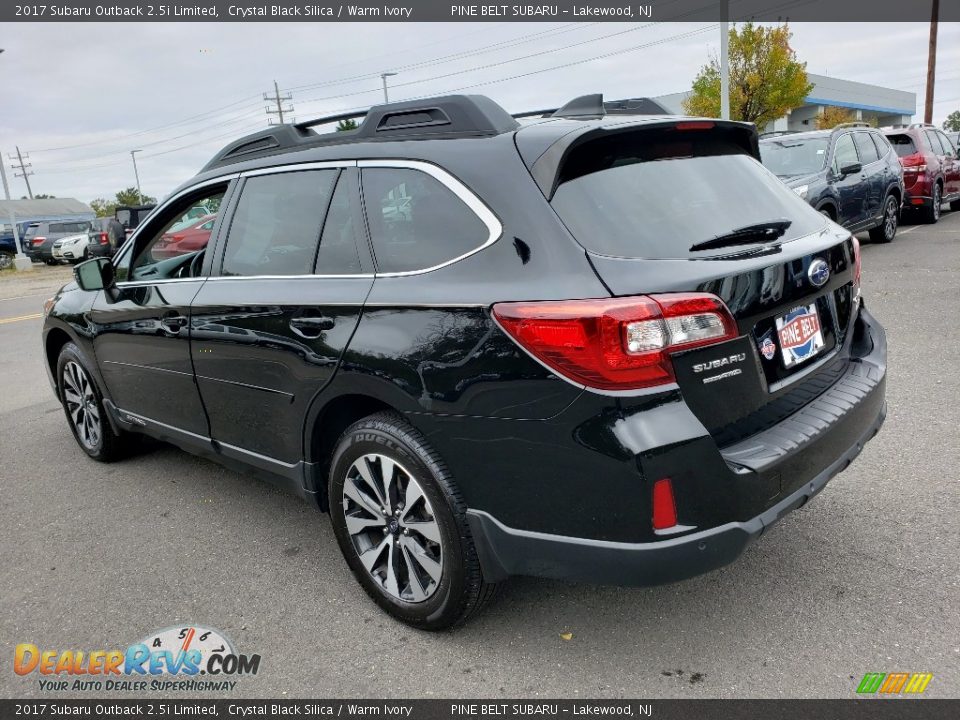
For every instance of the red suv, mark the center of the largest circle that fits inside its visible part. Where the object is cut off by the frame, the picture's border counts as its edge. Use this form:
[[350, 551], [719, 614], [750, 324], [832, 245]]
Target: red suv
[[931, 169]]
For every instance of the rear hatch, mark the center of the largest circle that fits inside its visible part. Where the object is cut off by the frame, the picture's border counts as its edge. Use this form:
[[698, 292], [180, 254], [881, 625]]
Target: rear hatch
[[685, 206]]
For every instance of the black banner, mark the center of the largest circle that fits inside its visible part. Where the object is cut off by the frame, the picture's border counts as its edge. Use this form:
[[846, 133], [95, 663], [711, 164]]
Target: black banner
[[863, 709], [859, 11]]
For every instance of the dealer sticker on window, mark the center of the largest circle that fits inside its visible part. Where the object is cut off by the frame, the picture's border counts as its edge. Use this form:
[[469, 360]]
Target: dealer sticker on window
[[800, 335]]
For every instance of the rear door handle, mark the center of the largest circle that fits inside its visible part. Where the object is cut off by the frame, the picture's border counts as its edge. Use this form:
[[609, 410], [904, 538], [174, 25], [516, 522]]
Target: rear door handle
[[311, 326], [174, 322]]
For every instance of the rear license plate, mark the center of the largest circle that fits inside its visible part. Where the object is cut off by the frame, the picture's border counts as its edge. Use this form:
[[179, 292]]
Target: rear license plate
[[800, 334]]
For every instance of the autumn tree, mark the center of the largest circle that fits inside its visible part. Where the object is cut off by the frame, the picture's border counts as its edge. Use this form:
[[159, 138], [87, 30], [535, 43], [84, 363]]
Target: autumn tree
[[766, 79]]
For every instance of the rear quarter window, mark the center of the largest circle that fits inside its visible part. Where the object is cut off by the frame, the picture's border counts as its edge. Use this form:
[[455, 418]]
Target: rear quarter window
[[416, 222], [656, 196]]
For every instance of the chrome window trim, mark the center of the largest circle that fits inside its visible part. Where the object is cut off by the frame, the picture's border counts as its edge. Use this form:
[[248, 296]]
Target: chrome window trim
[[321, 165], [476, 205]]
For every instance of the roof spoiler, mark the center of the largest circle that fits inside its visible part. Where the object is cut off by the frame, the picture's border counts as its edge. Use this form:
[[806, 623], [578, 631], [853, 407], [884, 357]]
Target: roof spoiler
[[593, 107]]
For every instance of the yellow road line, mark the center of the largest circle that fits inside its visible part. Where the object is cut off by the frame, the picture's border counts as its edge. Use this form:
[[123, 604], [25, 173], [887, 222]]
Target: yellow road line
[[4, 321]]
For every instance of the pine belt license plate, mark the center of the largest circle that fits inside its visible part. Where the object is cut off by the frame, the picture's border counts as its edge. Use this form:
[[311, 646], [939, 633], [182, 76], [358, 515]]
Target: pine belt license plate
[[800, 334]]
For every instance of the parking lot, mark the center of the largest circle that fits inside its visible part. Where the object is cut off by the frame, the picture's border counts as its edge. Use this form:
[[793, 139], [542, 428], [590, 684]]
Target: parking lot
[[864, 579]]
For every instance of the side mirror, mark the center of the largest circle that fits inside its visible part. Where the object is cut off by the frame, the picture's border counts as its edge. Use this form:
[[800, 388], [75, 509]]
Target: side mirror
[[850, 169], [96, 274]]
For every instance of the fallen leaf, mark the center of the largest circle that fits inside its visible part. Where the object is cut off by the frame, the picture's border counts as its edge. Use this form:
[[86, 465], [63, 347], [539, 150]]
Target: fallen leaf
[[566, 636]]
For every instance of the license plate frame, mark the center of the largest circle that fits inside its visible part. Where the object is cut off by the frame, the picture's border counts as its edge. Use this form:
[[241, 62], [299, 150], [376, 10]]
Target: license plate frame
[[799, 335]]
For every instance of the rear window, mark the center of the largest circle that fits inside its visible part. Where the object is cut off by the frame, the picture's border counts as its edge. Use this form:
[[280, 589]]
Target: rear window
[[786, 156], [654, 196], [903, 144], [69, 227], [32, 231]]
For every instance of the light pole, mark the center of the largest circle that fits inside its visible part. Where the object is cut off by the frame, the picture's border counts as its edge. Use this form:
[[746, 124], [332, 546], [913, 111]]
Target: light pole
[[133, 156], [21, 261], [725, 60], [384, 76]]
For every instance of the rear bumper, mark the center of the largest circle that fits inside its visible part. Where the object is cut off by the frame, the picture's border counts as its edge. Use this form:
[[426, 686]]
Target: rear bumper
[[505, 551], [800, 454]]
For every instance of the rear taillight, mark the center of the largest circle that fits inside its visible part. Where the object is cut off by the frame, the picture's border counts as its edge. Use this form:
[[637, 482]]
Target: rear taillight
[[913, 163], [39, 240], [616, 343], [664, 506], [104, 239]]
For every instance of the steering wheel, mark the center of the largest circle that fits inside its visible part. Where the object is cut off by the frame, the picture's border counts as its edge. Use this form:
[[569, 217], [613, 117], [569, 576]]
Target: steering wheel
[[196, 264]]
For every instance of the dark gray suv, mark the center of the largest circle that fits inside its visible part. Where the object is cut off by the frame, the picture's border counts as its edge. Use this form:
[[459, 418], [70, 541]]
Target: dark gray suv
[[40, 236]]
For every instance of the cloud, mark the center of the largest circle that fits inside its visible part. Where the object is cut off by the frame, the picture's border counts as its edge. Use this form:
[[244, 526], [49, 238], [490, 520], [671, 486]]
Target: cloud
[[85, 94]]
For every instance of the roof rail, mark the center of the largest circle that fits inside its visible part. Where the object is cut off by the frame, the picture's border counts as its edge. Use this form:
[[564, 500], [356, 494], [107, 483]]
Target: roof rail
[[853, 125], [921, 125], [447, 116], [593, 106], [774, 133]]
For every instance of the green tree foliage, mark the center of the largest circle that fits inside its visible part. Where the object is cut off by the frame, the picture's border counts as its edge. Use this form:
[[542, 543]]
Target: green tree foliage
[[952, 123], [766, 79], [128, 196], [345, 125]]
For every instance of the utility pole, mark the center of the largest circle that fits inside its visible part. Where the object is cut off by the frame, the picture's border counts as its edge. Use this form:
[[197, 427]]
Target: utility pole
[[278, 100], [21, 261], [725, 60], [931, 61], [384, 76], [23, 170], [133, 156]]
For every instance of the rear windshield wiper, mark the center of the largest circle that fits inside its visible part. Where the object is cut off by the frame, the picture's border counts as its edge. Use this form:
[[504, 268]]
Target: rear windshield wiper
[[748, 234]]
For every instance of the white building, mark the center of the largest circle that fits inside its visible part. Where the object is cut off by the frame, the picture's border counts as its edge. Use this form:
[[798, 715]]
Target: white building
[[867, 102]]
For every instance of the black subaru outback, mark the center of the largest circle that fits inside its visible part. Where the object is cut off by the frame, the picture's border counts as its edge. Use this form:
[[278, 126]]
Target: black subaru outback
[[599, 346]]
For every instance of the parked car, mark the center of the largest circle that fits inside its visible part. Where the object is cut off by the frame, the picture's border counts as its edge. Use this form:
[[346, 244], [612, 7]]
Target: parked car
[[848, 173], [491, 350], [106, 237], [71, 249], [39, 238], [931, 169], [185, 237]]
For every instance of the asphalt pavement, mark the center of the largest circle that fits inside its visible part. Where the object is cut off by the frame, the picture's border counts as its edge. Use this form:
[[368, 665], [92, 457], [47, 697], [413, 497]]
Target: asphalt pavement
[[866, 578]]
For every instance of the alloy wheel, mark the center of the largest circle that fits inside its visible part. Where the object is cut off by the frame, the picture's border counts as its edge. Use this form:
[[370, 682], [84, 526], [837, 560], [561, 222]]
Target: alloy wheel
[[81, 404], [890, 219], [393, 528]]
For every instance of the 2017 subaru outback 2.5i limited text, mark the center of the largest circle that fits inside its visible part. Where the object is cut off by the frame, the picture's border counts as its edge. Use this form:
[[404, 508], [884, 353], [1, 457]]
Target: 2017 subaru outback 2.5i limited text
[[600, 346]]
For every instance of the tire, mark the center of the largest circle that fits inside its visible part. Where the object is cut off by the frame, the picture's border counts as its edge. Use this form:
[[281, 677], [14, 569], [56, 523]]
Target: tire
[[82, 404], [419, 562], [931, 215], [887, 229], [6, 260], [955, 205]]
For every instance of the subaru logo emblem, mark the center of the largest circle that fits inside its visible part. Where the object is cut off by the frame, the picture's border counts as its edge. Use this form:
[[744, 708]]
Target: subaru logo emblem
[[818, 273]]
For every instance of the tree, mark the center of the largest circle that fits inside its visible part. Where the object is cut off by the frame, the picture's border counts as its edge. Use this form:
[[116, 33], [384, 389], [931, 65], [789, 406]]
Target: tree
[[129, 196], [347, 124], [833, 116], [952, 123], [41, 196], [766, 79]]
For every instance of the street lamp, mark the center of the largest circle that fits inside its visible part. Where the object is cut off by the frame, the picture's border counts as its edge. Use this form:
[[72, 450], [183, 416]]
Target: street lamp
[[384, 76], [136, 174]]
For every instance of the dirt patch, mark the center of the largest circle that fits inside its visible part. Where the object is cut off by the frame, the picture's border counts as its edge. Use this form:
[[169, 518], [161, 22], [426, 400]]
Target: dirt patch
[[42, 279]]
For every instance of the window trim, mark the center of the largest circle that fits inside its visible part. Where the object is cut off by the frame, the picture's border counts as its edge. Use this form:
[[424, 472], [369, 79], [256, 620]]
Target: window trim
[[475, 204]]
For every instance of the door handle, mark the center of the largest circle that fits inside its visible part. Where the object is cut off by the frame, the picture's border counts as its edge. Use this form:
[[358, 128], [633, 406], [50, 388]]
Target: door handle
[[174, 322], [311, 326]]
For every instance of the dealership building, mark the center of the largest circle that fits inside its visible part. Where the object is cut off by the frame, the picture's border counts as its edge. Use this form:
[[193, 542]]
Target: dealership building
[[871, 103]]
